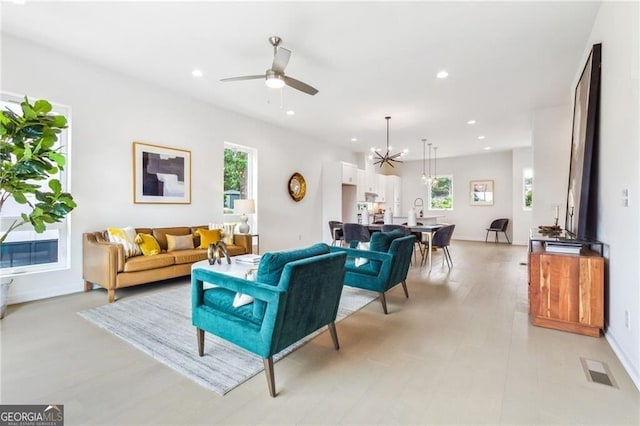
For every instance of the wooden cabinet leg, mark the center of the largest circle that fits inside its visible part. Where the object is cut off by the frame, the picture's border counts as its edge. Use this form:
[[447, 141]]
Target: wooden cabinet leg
[[88, 286]]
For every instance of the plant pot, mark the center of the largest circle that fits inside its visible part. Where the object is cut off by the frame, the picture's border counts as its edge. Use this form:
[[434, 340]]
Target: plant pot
[[5, 283]]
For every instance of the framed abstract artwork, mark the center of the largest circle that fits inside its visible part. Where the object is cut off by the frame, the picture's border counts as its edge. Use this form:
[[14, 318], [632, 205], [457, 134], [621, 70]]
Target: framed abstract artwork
[[481, 192], [161, 175]]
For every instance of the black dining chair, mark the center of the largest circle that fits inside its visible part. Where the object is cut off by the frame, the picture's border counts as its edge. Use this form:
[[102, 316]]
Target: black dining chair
[[498, 225], [335, 226], [442, 239], [355, 232]]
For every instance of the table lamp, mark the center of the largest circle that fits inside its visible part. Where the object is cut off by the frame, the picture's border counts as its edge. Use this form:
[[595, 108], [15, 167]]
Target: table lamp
[[244, 207]]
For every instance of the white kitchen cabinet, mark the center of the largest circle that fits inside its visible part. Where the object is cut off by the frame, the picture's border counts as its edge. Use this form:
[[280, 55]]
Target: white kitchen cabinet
[[381, 188], [349, 174], [361, 179]]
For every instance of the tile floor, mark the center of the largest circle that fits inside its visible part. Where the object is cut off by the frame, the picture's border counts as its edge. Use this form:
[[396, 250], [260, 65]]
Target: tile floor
[[460, 350]]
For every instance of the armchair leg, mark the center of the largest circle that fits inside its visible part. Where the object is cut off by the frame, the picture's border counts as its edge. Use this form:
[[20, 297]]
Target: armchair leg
[[507, 237], [334, 335], [200, 333], [111, 293], [88, 286], [404, 287], [268, 370], [383, 300], [486, 237]]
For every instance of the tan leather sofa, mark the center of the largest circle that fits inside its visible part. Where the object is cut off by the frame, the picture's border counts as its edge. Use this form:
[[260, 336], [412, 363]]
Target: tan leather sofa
[[104, 262]]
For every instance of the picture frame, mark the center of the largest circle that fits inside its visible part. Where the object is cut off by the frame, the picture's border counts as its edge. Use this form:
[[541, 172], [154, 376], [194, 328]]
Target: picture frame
[[161, 175], [481, 192], [581, 212]]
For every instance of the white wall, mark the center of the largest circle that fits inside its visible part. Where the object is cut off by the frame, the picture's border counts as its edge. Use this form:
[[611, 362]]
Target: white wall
[[110, 111], [617, 27], [471, 221], [551, 140], [522, 219]]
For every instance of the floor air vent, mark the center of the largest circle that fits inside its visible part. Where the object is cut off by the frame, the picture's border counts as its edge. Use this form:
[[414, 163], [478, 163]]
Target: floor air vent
[[598, 372]]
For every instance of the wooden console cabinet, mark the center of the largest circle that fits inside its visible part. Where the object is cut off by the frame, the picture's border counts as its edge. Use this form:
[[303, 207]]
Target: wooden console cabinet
[[566, 291]]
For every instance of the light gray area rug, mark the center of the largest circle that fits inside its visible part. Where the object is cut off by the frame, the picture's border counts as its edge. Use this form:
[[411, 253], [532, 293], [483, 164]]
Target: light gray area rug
[[160, 325]]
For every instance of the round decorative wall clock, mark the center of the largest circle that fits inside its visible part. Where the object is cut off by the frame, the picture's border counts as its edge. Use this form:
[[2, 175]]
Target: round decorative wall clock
[[297, 187]]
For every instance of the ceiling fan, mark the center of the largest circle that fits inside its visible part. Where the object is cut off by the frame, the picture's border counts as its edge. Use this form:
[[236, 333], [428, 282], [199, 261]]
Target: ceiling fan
[[274, 76]]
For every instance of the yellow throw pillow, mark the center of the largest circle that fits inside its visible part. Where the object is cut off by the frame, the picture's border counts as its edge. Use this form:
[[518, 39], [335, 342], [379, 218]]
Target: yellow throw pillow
[[208, 236], [148, 244], [179, 242], [125, 236]]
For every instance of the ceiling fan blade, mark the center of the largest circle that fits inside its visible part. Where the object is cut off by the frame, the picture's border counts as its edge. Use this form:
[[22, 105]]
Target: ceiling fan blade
[[281, 59], [297, 84], [246, 77]]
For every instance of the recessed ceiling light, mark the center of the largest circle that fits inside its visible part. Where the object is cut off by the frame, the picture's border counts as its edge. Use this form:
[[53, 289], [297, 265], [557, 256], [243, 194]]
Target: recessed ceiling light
[[487, 148], [471, 122], [442, 74], [354, 139], [481, 137], [291, 112], [197, 73]]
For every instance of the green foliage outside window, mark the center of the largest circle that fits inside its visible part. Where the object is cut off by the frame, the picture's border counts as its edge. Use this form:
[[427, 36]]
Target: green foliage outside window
[[528, 189], [441, 195], [235, 176]]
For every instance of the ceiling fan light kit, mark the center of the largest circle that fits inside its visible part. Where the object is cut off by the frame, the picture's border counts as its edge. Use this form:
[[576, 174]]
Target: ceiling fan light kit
[[275, 77], [387, 158]]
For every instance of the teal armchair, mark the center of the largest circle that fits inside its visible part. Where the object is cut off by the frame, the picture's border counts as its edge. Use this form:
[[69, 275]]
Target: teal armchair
[[387, 263], [296, 293]]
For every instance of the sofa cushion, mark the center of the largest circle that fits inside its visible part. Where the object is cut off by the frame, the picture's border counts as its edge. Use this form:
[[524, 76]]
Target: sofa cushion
[[235, 250], [188, 256], [160, 234], [179, 242], [145, 263]]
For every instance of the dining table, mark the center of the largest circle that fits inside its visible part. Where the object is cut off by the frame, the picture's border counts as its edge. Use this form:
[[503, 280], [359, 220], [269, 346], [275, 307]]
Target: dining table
[[425, 231]]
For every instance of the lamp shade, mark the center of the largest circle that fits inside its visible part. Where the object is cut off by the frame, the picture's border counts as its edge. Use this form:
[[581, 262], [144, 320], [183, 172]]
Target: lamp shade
[[244, 206]]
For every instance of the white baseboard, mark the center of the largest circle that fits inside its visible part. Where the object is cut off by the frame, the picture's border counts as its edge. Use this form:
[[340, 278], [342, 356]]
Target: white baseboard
[[628, 366]]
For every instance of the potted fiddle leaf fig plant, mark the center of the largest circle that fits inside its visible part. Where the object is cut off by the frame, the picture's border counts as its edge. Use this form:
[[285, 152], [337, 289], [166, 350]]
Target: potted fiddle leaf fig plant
[[30, 160]]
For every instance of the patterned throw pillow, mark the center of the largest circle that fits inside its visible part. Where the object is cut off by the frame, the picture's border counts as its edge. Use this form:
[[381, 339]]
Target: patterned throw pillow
[[127, 237], [359, 261], [228, 233], [208, 236], [179, 242], [148, 244]]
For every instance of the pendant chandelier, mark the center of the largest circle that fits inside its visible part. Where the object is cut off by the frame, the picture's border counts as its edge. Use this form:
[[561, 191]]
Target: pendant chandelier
[[424, 148], [429, 178], [387, 158]]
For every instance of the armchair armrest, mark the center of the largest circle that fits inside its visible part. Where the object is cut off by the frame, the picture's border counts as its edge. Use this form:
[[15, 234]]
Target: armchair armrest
[[245, 241], [257, 290], [101, 260]]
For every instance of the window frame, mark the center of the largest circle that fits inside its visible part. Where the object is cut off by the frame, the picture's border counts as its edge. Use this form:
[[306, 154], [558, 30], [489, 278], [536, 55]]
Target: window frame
[[63, 228], [430, 194]]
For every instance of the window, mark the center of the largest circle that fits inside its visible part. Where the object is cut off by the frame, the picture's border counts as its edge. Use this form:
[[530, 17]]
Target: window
[[441, 194], [527, 189], [239, 175], [24, 250]]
